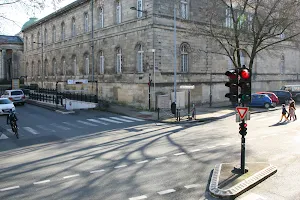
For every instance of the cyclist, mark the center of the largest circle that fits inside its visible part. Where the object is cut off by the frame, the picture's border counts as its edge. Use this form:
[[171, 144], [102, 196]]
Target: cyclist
[[11, 117]]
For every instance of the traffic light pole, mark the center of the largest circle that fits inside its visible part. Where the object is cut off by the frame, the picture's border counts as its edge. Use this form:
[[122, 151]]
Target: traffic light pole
[[243, 150]]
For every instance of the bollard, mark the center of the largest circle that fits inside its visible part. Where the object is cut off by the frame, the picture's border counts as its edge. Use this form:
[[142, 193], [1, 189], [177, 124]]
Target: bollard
[[157, 113]]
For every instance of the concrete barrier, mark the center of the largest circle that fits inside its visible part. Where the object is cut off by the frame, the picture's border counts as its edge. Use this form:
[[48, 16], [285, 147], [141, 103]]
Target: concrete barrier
[[75, 105]]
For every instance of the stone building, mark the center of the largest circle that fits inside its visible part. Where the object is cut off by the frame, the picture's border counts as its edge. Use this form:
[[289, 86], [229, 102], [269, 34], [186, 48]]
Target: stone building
[[117, 46]]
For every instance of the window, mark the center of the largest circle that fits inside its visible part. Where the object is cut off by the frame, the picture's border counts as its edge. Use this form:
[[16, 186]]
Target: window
[[45, 36], [242, 58], [46, 68], [101, 17], [86, 22], [73, 27], [13, 93], [74, 65], [118, 12], [101, 63], [139, 7], [54, 67], [63, 63], [228, 20], [86, 64], [38, 68], [282, 64], [140, 54], [184, 9], [53, 34], [32, 69], [26, 43], [38, 39], [119, 61], [26, 69], [31, 41], [184, 58], [63, 31]]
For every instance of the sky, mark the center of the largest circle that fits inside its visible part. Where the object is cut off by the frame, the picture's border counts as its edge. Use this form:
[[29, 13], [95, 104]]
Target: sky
[[17, 15]]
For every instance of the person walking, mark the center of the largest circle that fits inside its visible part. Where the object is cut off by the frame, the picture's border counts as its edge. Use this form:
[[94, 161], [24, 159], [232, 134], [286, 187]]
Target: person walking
[[292, 111], [283, 113]]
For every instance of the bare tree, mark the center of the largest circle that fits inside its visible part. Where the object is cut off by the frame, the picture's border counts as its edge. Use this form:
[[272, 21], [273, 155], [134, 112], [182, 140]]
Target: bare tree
[[249, 26]]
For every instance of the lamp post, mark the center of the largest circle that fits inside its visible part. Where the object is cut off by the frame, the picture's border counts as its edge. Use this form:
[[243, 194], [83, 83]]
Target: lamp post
[[143, 11], [42, 62], [154, 71], [175, 64]]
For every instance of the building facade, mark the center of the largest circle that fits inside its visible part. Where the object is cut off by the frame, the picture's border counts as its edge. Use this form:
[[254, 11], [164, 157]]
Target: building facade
[[116, 48]]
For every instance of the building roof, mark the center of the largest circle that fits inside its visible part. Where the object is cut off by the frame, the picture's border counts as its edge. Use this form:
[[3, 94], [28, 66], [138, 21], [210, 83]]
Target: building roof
[[29, 22], [5, 39], [54, 14]]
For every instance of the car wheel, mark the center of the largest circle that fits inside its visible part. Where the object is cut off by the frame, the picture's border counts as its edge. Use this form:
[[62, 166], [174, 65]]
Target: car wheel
[[267, 105], [298, 98]]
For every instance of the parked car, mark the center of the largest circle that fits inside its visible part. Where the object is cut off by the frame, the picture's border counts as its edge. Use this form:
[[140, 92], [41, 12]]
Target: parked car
[[273, 97], [16, 96], [260, 100], [294, 90], [6, 105], [283, 96]]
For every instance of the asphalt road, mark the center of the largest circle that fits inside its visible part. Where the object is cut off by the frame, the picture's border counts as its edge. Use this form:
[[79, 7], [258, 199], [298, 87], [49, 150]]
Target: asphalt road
[[140, 159]]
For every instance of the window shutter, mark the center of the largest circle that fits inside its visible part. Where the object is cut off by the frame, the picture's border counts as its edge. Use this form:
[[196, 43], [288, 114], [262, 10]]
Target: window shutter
[[121, 63]]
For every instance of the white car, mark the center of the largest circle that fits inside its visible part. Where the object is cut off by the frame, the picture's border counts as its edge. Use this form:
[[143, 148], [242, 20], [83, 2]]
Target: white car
[[16, 96], [6, 105]]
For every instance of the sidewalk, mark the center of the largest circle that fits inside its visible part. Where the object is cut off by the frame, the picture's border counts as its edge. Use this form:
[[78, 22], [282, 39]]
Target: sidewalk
[[203, 113]]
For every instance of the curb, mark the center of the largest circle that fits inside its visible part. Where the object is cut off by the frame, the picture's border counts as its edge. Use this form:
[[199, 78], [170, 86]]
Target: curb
[[48, 107], [242, 186]]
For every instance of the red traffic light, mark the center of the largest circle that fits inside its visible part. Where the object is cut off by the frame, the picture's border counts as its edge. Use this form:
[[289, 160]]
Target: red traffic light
[[245, 74], [231, 74], [245, 125]]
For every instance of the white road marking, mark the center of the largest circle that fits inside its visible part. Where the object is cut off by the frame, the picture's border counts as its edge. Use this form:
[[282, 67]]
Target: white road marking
[[141, 162], [3, 137], [120, 166], [195, 150], [9, 188], [138, 198], [134, 119], [179, 154], [86, 123], [264, 136], [211, 147], [120, 119], [251, 139], [71, 176], [97, 121], [45, 129], [192, 186], [161, 158], [73, 125], [60, 127], [225, 144], [253, 196], [166, 191], [110, 120], [9, 130], [97, 171], [34, 132], [41, 182]]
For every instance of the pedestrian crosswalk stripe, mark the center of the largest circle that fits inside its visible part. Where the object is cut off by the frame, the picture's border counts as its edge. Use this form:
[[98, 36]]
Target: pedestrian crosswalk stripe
[[110, 120], [31, 130], [120, 119], [45, 129], [73, 125], [97, 121], [3, 137], [9, 130], [132, 118], [86, 123], [60, 127]]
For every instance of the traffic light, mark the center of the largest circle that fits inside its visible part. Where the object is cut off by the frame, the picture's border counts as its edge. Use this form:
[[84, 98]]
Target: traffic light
[[243, 128], [233, 85], [173, 108], [245, 84]]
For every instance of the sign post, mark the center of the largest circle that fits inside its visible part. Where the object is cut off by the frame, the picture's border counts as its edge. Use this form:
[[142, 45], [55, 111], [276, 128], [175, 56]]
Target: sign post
[[188, 87]]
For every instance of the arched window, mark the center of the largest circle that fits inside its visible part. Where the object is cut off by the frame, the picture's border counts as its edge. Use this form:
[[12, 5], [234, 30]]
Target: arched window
[[73, 27], [101, 62], [118, 12], [53, 67], [242, 57], [139, 6], [63, 66], [26, 43], [86, 64], [119, 60], [45, 36], [184, 58], [63, 31], [53, 34], [140, 58], [38, 39], [184, 9], [46, 68], [74, 65], [26, 69], [86, 22], [39, 66], [32, 41], [32, 69], [282, 64], [101, 17]]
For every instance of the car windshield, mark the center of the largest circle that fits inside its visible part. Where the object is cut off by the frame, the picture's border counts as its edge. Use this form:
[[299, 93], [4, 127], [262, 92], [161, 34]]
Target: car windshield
[[5, 101], [16, 93]]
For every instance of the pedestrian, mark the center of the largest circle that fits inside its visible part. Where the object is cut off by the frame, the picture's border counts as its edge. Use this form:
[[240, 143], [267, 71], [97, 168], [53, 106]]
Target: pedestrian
[[292, 111], [283, 113]]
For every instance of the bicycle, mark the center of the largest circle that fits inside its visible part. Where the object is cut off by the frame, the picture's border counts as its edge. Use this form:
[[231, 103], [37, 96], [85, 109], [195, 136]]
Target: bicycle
[[14, 128]]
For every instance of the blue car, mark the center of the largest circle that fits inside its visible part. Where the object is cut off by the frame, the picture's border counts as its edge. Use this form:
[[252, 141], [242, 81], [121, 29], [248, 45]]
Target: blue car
[[260, 100]]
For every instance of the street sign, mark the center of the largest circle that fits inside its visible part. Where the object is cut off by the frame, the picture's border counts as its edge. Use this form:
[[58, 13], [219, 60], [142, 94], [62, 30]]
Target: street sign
[[187, 87], [15, 83], [242, 111], [79, 81], [238, 118]]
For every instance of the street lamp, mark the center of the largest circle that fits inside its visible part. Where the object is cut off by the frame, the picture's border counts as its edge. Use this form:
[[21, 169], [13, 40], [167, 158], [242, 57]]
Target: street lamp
[[143, 11], [42, 61]]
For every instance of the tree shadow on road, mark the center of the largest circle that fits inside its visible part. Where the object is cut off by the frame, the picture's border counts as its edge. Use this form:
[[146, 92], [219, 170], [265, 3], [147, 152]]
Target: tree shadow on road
[[280, 124]]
